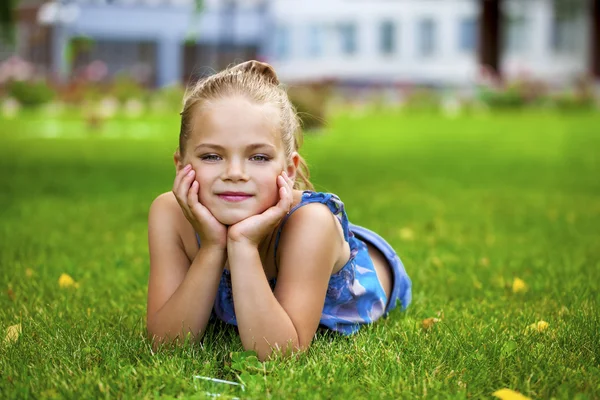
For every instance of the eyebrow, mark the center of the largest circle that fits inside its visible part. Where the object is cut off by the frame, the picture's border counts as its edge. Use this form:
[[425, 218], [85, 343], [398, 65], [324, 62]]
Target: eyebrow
[[253, 146]]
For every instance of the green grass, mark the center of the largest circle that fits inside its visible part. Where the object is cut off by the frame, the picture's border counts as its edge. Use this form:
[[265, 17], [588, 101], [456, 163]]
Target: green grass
[[470, 204]]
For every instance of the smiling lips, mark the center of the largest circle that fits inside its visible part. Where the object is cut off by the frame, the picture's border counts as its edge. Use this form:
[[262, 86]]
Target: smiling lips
[[234, 197]]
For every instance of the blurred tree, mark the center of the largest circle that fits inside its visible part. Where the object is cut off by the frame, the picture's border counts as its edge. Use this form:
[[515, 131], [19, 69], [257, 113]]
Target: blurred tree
[[595, 38], [7, 19], [490, 34]]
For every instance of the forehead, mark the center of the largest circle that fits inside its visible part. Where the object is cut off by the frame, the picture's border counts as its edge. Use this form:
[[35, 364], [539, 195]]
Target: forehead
[[235, 121]]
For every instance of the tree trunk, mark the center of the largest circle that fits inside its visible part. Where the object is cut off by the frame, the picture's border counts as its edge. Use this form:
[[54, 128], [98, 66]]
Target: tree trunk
[[7, 19], [595, 38], [490, 35]]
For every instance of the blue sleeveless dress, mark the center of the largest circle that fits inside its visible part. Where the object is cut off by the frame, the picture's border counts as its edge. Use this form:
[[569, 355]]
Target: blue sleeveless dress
[[354, 294]]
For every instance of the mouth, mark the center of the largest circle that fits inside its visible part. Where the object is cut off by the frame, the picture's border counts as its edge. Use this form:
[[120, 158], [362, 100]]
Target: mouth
[[234, 197]]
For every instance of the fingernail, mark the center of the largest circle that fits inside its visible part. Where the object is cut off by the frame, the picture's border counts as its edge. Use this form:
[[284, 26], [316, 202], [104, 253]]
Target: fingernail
[[187, 167], [191, 172]]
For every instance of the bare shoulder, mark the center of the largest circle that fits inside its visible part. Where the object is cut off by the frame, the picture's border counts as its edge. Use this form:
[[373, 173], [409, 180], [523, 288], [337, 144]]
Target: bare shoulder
[[314, 226], [163, 205], [167, 224]]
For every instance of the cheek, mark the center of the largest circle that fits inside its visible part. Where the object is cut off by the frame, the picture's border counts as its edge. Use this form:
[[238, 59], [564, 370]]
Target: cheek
[[205, 184]]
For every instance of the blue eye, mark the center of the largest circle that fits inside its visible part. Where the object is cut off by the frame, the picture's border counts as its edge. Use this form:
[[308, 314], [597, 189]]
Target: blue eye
[[210, 157], [260, 158]]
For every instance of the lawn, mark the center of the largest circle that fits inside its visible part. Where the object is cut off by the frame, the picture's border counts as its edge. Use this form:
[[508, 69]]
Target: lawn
[[496, 218]]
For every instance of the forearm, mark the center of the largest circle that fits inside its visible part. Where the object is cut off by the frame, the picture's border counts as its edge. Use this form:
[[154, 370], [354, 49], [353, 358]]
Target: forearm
[[190, 306], [263, 324]]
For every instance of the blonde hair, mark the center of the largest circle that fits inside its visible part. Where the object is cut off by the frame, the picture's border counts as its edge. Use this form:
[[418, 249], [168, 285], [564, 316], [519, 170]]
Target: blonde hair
[[258, 82]]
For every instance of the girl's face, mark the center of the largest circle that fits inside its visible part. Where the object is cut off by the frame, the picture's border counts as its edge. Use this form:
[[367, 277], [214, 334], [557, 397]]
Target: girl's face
[[235, 147]]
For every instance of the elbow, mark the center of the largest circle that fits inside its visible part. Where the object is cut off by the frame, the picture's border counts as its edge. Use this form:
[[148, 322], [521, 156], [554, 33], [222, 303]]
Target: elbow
[[159, 337], [276, 351]]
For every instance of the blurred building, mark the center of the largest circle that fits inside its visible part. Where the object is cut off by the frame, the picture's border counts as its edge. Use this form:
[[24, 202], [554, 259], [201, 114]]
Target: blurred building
[[424, 41], [365, 41], [158, 41]]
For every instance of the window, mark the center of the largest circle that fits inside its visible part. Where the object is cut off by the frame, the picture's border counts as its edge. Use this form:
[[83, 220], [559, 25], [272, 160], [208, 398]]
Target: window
[[388, 37], [564, 35], [516, 37], [315, 40], [467, 39], [347, 33], [426, 35], [282, 42]]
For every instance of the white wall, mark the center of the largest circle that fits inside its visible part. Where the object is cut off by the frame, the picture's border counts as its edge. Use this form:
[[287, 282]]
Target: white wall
[[447, 66]]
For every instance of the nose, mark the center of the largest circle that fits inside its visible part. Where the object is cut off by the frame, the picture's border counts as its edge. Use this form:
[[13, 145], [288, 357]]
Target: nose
[[235, 171]]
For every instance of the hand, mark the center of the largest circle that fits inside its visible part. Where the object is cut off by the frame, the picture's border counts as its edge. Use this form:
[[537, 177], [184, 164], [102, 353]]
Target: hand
[[254, 229], [210, 230]]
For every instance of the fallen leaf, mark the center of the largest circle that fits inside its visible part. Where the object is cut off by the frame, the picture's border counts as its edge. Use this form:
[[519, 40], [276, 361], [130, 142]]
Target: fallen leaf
[[519, 286], [66, 281], [407, 234], [507, 394], [429, 322], [539, 326], [12, 333]]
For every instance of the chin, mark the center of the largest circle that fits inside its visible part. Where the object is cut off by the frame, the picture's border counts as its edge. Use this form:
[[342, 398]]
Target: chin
[[231, 218]]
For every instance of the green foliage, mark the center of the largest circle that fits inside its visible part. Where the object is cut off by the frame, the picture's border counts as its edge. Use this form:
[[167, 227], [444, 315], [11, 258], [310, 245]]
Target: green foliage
[[487, 199], [171, 96], [124, 87], [422, 100], [510, 98], [30, 93]]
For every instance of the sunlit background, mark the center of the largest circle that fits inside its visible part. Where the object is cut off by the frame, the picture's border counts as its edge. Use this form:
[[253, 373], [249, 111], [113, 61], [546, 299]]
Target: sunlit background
[[112, 51], [465, 132]]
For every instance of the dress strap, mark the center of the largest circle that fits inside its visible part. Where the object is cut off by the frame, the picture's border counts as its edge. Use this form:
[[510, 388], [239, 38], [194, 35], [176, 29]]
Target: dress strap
[[333, 202]]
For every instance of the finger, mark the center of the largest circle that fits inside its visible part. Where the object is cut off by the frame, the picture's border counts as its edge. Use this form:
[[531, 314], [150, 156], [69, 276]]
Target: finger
[[179, 176], [184, 185], [288, 180], [193, 200], [192, 194], [289, 184], [285, 195]]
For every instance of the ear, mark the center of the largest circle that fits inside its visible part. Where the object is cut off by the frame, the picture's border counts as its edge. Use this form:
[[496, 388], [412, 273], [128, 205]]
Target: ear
[[178, 160], [292, 166]]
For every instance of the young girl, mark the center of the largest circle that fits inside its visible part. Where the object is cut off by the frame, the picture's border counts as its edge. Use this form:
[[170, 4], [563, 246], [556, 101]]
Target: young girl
[[243, 236]]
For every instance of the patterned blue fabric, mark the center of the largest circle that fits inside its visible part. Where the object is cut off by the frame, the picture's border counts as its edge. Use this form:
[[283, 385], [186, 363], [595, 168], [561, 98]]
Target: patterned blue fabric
[[354, 295]]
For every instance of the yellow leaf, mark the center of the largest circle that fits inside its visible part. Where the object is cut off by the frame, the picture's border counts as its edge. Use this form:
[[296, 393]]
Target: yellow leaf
[[507, 394], [539, 326], [66, 281], [519, 286], [407, 234], [429, 322], [12, 333]]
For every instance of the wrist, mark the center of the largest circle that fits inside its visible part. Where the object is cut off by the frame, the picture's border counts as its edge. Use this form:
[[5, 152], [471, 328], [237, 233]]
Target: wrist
[[213, 248], [240, 246]]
